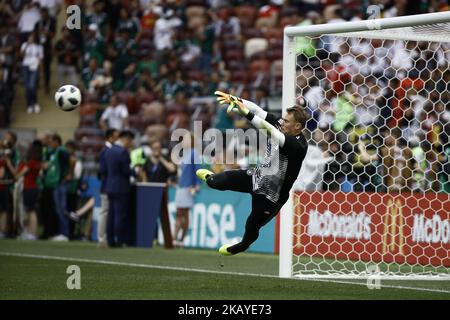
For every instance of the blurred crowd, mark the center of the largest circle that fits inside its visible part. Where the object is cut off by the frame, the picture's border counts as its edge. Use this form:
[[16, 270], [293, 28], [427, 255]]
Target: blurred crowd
[[380, 109]]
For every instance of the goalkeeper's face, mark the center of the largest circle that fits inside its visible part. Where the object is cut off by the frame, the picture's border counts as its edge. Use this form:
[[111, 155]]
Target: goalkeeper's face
[[290, 126]]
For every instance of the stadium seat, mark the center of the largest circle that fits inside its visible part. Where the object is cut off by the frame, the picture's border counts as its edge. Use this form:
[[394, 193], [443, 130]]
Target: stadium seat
[[266, 22], [157, 132], [273, 33], [173, 107], [92, 146], [288, 11], [275, 50], [287, 21], [276, 76], [178, 121], [135, 122], [240, 76], [196, 75], [87, 121], [275, 54], [88, 108], [128, 98], [89, 133], [90, 96], [255, 45], [234, 55], [231, 44], [252, 33], [237, 65], [262, 55], [145, 34], [142, 98]]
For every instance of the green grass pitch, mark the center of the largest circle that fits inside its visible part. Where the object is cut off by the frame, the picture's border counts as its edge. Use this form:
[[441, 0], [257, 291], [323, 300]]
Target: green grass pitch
[[37, 270]]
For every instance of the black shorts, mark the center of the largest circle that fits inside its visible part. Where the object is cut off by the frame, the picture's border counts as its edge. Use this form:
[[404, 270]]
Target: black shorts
[[30, 198], [4, 200]]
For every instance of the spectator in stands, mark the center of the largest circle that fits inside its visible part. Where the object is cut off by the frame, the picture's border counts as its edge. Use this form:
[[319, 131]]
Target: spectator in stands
[[53, 7], [226, 25], [98, 17], [206, 36], [310, 177], [164, 33], [102, 83], [6, 11], [123, 53], [67, 56], [94, 45], [56, 178], [365, 164], [337, 169], [7, 51], [398, 163], [47, 29], [111, 136], [115, 115], [5, 98], [128, 23], [30, 170], [91, 72], [32, 55], [28, 20], [116, 169], [188, 186]]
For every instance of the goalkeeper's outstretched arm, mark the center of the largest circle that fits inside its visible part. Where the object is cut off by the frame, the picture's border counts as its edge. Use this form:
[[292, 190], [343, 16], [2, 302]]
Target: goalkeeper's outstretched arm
[[253, 113], [255, 109], [260, 123]]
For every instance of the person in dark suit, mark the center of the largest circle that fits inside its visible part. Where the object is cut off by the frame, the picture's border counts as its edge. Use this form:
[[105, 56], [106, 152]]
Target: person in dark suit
[[111, 136], [117, 172]]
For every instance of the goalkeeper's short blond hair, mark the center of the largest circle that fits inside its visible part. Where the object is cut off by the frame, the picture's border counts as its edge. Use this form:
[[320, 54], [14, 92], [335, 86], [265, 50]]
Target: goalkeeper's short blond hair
[[300, 115]]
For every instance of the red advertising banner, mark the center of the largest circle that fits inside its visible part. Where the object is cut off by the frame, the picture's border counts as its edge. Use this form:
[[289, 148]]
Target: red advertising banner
[[411, 228]]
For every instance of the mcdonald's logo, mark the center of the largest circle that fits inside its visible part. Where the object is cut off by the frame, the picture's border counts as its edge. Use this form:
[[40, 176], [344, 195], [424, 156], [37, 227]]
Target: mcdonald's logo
[[393, 235]]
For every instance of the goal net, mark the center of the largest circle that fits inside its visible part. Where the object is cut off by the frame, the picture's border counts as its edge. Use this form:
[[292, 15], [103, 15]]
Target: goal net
[[373, 193]]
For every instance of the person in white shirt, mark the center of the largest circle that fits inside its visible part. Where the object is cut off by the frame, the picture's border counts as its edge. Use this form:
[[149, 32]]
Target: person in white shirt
[[53, 6], [165, 30], [115, 115], [32, 53], [30, 16]]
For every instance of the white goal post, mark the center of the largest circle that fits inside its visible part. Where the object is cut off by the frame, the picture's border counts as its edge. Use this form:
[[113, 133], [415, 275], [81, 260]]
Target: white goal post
[[385, 215]]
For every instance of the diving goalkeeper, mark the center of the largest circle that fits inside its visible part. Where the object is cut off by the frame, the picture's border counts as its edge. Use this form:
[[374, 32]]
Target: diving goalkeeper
[[270, 182]]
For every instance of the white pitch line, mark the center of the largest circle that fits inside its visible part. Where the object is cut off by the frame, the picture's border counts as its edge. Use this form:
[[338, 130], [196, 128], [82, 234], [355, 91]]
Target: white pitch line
[[152, 266]]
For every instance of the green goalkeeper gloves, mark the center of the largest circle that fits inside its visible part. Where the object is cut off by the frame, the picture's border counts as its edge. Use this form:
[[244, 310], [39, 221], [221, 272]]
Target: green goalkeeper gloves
[[236, 104]]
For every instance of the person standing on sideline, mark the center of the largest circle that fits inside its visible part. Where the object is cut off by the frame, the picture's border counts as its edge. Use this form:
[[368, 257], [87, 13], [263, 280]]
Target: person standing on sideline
[[188, 186], [74, 178], [117, 170], [110, 136], [56, 177], [32, 53], [30, 171]]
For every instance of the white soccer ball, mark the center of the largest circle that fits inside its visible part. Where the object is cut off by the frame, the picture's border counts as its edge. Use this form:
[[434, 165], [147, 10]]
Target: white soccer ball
[[68, 97]]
